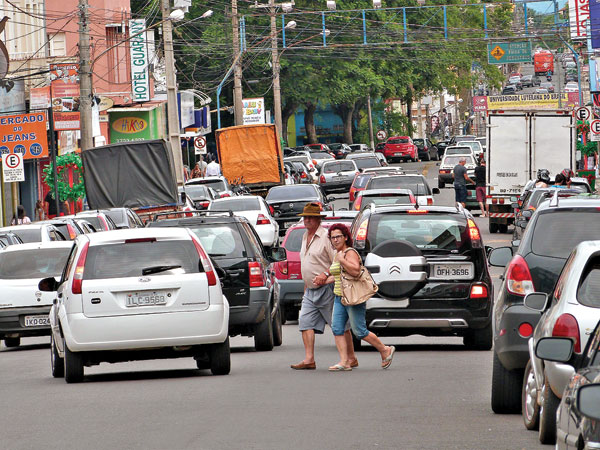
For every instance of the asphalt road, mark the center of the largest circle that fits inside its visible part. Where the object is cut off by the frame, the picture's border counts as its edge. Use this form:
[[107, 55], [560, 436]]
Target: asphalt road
[[435, 395]]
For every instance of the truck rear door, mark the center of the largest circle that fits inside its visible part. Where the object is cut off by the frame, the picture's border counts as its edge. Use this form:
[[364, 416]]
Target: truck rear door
[[508, 153], [552, 142]]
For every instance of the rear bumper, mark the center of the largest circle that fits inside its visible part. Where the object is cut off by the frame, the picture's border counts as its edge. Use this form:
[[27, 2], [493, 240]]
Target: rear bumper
[[289, 292], [512, 349], [12, 322], [250, 314], [445, 178], [146, 330], [333, 186]]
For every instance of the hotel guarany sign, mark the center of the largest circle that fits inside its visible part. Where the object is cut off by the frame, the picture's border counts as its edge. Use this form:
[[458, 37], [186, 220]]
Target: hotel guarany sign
[[140, 76]]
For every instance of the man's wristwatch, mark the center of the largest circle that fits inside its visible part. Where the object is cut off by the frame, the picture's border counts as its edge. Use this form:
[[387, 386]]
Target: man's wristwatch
[[327, 274]]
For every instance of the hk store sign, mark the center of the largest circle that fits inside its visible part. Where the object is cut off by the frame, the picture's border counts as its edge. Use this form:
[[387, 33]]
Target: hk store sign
[[140, 80]]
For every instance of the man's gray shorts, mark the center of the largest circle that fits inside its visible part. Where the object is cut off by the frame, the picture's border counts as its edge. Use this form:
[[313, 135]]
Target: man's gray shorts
[[316, 309]]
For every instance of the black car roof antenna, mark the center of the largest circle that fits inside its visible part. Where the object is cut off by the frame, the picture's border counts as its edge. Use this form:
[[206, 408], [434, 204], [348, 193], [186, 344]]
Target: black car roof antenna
[[417, 198]]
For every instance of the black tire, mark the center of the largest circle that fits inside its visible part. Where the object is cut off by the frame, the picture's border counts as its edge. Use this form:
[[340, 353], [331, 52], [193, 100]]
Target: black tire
[[441, 184], [220, 358], [479, 339], [291, 313], [550, 402], [493, 227], [530, 410], [503, 228], [263, 336], [73, 365], [356, 343], [506, 388], [57, 364], [12, 342], [277, 330]]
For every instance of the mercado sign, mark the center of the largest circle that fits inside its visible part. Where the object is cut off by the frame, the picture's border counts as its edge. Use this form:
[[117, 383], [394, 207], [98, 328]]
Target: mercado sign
[[140, 79], [24, 134], [531, 101], [509, 52]]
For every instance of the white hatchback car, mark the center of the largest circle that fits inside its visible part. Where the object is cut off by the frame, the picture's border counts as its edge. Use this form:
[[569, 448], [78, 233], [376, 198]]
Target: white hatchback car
[[137, 294], [256, 210], [23, 307], [36, 232]]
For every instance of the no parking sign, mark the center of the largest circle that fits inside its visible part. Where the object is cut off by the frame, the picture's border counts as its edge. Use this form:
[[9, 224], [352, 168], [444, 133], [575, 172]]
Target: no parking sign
[[12, 168]]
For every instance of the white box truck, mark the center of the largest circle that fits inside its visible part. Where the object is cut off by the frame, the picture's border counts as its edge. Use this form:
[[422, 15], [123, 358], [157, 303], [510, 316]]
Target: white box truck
[[518, 144]]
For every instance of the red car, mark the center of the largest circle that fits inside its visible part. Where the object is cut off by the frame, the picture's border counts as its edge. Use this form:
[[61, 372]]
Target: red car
[[398, 148], [358, 184]]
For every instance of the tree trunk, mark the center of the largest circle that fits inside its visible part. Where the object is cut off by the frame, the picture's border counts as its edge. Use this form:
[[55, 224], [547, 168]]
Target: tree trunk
[[409, 102], [346, 113], [288, 111], [309, 122]]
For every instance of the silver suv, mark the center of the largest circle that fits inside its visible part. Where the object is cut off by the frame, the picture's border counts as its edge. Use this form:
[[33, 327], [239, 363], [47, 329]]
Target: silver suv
[[337, 175]]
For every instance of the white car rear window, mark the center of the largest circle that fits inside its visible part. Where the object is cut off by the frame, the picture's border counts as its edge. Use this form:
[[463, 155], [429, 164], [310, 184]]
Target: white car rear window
[[38, 263]]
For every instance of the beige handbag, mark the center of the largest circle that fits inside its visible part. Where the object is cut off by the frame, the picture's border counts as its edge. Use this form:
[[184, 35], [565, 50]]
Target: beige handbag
[[359, 289]]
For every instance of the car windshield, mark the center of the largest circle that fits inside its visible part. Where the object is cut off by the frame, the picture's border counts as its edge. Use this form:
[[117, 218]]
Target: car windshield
[[587, 294], [454, 160], [293, 241], [364, 163], [419, 142], [391, 199], [196, 191], [28, 235], [320, 155], [342, 166], [33, 264], [362, 180], [554, 234], [336, 146], [235, 204], [96, 222], [130, 259], [458, 150], [474, 145], [220, 240], [398, 141], [217, 185], [434, 231], [295, 192], [415, 183]]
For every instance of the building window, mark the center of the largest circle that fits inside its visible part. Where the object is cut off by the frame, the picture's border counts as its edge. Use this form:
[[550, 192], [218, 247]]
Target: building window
[[57, 44], [117, 58]]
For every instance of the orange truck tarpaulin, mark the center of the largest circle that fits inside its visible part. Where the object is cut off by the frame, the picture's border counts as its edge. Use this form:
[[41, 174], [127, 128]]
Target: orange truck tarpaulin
[[252, 152]]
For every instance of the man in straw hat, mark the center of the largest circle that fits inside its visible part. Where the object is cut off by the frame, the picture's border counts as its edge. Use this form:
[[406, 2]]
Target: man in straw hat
[[316, 256]]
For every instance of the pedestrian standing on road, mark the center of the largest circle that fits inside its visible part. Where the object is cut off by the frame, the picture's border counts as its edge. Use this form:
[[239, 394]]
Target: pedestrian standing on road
[[348, 260], [196, 172], [213, 169], [20, 217], [316, 256], [480, 186], [203, 166], [50, 205], [459, 173]]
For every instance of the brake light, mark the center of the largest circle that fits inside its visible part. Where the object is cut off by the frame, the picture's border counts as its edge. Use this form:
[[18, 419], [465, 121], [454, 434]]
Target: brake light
[[204, 204], [361, 234], [256, 275], [357, 203], [417, 211], [71, 231], [138, 240], [211, 277], [474, 233], [78, 276], [322, 179], [283, 267], [271, 210], [225, 194], [429, 201], [479, 291], [262, 220], [518, 277], [302, 174], [566, 326], [444, 171], [525, 330], [352, 194], [315, 162]]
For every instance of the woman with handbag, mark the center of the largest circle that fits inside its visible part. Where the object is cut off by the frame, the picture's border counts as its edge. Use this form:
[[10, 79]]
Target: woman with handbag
[[349, 301]]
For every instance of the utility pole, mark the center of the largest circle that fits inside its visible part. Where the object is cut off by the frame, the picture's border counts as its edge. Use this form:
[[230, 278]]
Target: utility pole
[[85, 78], [238, 107], [371, 140], [276, 86], [420, 116], [172, 115]]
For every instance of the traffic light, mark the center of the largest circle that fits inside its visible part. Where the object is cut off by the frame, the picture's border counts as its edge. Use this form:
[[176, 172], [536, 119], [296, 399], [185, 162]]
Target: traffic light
[[3, 52]]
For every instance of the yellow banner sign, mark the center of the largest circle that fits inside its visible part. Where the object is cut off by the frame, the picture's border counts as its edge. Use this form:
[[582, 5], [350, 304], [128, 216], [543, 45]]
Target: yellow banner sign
[[532, 101]]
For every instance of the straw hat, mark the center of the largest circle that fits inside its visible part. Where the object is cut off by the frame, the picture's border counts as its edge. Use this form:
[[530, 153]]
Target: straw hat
[[312, 209]]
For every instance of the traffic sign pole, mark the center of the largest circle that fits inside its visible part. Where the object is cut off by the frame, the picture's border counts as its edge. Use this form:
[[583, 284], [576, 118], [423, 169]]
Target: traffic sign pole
[[53, 156]]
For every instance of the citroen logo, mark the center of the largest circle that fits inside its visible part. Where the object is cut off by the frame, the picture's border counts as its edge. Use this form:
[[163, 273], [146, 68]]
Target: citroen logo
[[291, 205], [395, 269], [144, 279]]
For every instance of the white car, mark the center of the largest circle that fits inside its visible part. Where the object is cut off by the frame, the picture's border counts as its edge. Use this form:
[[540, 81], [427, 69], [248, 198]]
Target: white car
[[475, 147], [144, 293], [23, 307], [256, 210], [416, 183], [459, 150], [447, 166], [36, 232], [218, 183], [308, 162], [571, 87]]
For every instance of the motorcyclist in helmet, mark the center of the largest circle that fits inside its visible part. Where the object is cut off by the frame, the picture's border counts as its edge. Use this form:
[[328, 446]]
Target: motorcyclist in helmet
[[564, 178], [543, 178]]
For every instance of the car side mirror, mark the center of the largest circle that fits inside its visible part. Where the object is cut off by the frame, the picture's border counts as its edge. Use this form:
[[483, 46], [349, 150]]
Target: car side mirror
[[557, 349], [500, 256], [536, 301], [435, 190], [183, 197], [330, 199], [48, 284], [527, 213], [277, 254], [588, 401]]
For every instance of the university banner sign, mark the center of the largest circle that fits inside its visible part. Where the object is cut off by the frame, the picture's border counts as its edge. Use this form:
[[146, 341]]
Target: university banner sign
[[532, 101], [140, 79], [24, 134]]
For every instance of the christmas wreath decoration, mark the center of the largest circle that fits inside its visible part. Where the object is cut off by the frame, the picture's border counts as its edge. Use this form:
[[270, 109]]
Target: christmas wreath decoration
[[66, 192], [583, 127], [588, 149]]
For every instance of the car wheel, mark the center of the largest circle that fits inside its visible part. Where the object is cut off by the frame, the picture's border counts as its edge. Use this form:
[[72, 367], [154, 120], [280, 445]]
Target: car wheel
[[479, 339], [503, 228], [220, 358], [441, 184], [356, 343], [550, 402], [530, 410], [56, 362], [493, 227], [277, 330], [73, 365], [263, 337], [12, 342], [506, 388], [291, 313]]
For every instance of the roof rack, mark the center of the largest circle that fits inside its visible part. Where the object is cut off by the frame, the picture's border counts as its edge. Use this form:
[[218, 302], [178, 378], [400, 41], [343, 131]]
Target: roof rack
[[193, 211], [554, 201]]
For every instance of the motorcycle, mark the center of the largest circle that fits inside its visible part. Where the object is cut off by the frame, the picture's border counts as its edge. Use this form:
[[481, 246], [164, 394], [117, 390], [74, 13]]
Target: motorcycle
[[549, 77]]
